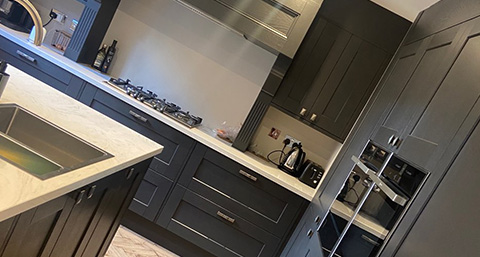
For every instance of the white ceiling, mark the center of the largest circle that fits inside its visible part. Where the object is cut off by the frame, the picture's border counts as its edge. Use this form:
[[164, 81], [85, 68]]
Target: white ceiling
[[408, 9]]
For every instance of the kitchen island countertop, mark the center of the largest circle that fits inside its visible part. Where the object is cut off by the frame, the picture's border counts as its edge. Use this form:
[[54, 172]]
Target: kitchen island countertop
[[21, 191], [202, 135]]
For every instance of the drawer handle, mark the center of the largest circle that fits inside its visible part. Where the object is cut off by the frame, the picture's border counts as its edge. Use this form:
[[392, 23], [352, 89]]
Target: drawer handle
[[26, 56], [314, 117], [137, 116], [91, 191], [245, 174], [80, 197], [130, 172], [225, 217]]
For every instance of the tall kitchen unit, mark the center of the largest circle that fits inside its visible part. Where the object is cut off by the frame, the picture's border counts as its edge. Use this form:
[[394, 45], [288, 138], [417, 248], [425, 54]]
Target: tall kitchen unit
[[376, 198]]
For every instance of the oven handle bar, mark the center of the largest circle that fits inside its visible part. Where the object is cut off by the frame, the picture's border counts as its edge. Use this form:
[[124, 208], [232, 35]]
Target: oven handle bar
[[396, 198]]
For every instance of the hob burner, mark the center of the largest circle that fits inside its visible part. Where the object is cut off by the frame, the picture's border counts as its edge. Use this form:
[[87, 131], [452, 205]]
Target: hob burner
[[150, 99]]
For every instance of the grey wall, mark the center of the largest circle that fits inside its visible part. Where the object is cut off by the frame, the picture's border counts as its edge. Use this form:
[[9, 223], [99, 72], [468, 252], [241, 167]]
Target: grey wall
[[188, 59]]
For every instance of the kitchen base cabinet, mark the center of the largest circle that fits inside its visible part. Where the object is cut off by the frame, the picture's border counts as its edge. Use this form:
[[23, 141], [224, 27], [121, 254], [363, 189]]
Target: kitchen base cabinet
[[216, 229], [34, 231], [165, 167], [81, 223], [229, 210], [40, 68]]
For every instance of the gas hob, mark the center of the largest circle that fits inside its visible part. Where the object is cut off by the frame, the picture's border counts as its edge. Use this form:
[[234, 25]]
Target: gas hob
[[151, 100]]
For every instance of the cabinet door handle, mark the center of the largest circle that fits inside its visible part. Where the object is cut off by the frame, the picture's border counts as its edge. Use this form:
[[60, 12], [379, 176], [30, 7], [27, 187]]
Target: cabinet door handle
[[314, 117], [80, 197], [390, 139], [396, 141], [309, 233], [245, 174], [225, 217], [26, 56], [303, 111], [130, 172], [317, 219], [91, 191], [138, 117]]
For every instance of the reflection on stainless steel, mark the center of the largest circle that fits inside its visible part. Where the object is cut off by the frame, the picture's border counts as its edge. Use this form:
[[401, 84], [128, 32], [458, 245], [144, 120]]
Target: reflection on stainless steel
[[33, 140]]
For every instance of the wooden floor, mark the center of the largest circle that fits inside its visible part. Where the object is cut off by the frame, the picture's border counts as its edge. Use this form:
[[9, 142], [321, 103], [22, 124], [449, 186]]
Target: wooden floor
[[129, 244]]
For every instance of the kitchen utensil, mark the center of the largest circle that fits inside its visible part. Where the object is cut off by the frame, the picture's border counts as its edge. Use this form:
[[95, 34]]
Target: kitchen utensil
[[293, 160]]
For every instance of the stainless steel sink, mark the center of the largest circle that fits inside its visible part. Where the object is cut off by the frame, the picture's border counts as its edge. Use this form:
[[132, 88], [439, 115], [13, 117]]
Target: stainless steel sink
[[41, 148]]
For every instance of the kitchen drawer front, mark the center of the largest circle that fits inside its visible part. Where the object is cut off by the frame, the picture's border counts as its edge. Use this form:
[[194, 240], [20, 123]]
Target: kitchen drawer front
[[26, 60], [177, 146], [240, 190], [151, 195], [216, 229]]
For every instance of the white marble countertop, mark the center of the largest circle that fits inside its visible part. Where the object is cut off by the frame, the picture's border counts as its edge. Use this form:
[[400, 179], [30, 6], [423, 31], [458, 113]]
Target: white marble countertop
[[202, 135], [21, 191]]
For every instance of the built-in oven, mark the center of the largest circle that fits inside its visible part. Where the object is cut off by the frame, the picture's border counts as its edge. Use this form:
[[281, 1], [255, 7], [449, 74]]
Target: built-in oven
[[376, 194]]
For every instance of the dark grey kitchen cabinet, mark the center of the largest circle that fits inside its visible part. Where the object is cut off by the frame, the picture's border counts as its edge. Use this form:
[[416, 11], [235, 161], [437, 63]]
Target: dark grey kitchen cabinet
[[96, 214], [448, 226], [81, 223], [330, 81], [235, 201], [165, 167], [40, 68], [306, 236], [338, 65], [442, 87], [277, 25], [434, 62], [28, 233]]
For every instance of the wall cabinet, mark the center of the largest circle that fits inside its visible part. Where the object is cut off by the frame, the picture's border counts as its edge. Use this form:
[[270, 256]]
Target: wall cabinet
[[326, 85], [81, 223], [228, 209], [330, 79], [278, 26], [40, 68], [165, 167]]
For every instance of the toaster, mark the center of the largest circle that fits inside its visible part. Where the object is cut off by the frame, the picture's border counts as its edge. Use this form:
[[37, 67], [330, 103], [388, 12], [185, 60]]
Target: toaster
[[311, 173]]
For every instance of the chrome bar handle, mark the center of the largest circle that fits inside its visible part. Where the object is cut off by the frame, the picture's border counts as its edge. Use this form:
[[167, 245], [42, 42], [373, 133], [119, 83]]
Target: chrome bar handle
[[26, 56], [225, 217], [138, 117], [249, 176]]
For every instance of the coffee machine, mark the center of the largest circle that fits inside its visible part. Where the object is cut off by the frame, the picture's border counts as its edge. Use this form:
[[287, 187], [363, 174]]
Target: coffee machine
[[15, 16]]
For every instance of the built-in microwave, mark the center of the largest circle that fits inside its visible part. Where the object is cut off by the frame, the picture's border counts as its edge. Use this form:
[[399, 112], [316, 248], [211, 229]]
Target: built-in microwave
[[377, 193]]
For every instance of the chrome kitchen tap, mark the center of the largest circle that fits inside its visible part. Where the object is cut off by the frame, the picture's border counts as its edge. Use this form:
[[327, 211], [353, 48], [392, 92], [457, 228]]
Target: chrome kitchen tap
[[37, 20]]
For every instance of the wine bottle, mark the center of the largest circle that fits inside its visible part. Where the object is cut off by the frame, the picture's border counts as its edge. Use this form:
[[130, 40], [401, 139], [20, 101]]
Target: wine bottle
[[97, 64], [109, 57]]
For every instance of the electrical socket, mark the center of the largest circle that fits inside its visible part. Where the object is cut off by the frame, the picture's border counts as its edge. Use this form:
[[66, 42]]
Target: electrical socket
[[292, 140], [61, 17]]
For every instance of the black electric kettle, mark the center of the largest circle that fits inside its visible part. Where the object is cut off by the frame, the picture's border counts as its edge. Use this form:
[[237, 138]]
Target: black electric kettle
[[293, 160]]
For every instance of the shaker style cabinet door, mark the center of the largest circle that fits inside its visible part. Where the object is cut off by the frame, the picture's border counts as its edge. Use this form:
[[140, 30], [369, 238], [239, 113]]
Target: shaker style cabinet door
[[437, 97], [34, 232], [330, 79]]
